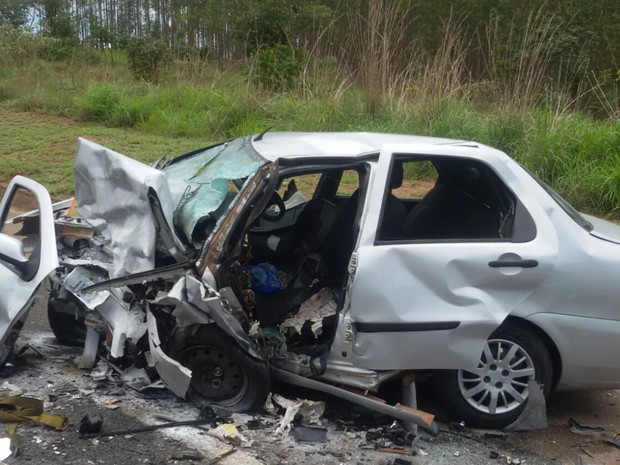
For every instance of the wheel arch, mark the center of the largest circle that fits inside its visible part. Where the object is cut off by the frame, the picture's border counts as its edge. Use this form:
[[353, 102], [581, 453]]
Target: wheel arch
[[554, 353]]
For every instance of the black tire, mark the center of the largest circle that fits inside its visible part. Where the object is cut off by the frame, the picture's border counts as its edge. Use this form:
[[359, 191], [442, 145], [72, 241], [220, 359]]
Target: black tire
[[457, 388], [223, 374], [66, 318]]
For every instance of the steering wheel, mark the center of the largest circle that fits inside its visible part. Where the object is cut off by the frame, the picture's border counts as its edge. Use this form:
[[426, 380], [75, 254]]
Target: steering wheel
[[269, 214]]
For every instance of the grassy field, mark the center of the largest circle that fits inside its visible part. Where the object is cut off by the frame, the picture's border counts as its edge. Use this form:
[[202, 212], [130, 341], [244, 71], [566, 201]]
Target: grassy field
[[43, 147], [578, 156], [45, 106]]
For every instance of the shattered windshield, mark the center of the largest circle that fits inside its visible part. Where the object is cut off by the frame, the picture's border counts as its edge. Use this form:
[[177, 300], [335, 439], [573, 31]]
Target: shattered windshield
[[203, 185]]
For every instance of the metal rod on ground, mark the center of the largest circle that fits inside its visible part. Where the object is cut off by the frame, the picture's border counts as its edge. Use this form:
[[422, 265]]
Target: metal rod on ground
[[404, 415]]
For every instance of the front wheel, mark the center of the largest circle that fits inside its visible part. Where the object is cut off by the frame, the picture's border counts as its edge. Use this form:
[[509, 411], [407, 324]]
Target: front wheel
[[495, 393], [222, 373], [66, 317]]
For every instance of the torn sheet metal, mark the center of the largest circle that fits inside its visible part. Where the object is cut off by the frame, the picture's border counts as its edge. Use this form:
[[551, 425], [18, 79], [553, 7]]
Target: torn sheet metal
[[93, 256], [175, 376], [191, 299], [78, 280], [75, 262], [111, 190], [596, 431], [185, 313], [313, 310], [162, 273], [91, 346], [534, 415], [308, 411], [126, 321], [136, 378]]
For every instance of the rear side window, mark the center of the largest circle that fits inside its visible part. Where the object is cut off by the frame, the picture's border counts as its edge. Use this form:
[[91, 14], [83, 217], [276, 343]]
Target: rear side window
[[453, 199], [349, 182]]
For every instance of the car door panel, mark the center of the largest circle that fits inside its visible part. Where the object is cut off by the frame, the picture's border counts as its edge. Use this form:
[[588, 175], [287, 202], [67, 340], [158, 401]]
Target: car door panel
[[17, 287], [432, 304]]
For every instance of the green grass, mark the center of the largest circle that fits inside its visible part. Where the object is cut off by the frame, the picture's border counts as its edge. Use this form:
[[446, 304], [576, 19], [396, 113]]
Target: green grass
[[197, 103], [43, 147]]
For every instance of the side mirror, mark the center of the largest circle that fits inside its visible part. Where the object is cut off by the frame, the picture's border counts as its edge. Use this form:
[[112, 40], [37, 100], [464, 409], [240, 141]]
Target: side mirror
[[12, 250]]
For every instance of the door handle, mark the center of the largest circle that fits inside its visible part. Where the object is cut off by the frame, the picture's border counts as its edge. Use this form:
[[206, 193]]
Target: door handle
[[529, 263]]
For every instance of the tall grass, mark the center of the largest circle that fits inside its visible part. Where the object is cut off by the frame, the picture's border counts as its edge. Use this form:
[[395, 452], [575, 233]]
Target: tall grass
[[513, 107]]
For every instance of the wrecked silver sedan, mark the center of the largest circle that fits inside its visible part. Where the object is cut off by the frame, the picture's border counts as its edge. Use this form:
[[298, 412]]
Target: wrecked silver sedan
[[336, 259]]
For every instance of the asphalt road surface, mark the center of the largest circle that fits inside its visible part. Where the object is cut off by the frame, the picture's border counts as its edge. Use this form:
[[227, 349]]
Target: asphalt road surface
[[53, 377]]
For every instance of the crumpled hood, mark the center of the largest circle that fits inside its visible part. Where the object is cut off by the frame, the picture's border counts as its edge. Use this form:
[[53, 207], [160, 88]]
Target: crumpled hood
[[604, 229], [111, 191]]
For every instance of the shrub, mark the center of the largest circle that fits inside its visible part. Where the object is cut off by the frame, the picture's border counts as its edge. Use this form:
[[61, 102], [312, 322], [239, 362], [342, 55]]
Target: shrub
[[146, 57], [277, 68], [19, 47]]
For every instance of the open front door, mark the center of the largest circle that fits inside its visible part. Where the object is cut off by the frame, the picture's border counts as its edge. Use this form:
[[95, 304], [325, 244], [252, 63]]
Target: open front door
[[27, 254], [465, 251]]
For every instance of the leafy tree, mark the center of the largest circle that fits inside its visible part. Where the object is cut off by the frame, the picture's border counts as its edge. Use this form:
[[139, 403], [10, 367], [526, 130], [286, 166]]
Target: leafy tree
[[100, 36], [264, 24], [13, 12]]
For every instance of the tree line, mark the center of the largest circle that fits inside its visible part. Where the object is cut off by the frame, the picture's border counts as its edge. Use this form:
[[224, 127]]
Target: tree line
[[376, 40]]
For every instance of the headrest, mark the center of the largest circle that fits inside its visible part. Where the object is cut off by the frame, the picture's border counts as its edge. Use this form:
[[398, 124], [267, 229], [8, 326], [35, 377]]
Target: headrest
[[396, 176], [468, 176]]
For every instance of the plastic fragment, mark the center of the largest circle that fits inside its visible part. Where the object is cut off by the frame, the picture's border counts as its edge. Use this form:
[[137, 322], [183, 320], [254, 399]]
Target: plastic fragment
[[227, 432], [309, 434]]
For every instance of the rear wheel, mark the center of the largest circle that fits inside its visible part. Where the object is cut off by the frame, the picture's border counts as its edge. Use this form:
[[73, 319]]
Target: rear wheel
[[222, 373], [496, 392]]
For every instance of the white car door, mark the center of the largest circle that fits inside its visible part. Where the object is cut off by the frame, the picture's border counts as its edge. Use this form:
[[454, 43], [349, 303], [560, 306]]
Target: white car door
[[432, 303], [27, 254]]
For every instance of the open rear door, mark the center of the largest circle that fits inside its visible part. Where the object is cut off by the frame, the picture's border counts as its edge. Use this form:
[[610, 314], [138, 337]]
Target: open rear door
[[27, 254]]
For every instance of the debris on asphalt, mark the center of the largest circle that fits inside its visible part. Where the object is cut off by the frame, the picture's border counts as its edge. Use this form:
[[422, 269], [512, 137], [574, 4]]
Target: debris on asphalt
[[144, 429], [255, 423], [597, 431], [399, 461], [17, 408], [396, 450], [309, 434], [227, 432], [91, 424], [308, 411], [187, 455], [221, 457]]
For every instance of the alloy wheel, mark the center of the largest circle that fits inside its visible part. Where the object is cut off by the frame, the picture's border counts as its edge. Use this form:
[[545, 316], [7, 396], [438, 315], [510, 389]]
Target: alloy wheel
[[500, 382]]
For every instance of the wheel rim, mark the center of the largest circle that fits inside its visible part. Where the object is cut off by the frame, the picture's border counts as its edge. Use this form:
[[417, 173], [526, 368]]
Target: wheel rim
[[500, 382], [216, 377]]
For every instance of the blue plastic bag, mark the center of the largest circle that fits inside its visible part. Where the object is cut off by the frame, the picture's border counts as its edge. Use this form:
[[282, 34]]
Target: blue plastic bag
[[265, 278]]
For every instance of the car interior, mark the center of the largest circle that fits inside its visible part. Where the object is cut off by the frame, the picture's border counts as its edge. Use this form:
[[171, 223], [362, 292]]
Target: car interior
[[467, 201], [302, 242]]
